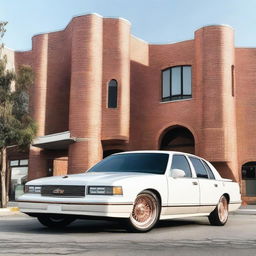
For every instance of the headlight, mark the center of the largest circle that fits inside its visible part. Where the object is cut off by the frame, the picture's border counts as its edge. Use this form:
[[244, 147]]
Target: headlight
[[32, 189], [105, 190]]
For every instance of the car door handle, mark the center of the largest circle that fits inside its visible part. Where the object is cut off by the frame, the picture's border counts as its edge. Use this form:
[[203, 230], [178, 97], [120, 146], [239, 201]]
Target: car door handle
[[216, 185], [195, 183]]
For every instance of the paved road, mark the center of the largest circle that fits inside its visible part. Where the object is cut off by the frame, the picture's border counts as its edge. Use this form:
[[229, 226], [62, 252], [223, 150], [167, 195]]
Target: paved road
[[24, 235]]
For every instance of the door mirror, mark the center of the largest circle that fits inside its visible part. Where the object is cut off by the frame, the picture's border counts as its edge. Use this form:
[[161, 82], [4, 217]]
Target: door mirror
[[177, 173]]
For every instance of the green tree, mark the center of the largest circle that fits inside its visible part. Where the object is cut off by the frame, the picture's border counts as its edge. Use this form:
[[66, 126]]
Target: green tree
[[16, 125]]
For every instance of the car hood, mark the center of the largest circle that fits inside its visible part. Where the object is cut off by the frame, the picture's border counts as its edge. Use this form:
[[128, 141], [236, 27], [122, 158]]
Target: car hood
[[91, 178]]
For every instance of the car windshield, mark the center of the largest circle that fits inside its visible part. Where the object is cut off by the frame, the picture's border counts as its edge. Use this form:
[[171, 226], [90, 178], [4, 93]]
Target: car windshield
[[133, 162]]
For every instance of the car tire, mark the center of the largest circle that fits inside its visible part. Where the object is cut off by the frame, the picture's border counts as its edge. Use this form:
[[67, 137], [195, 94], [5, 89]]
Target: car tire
[[145, 213], [55, 220], [219, 215]]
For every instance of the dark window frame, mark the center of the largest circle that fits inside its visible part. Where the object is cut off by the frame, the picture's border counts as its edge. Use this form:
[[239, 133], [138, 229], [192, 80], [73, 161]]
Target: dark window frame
[[112, 93], [180, 96]]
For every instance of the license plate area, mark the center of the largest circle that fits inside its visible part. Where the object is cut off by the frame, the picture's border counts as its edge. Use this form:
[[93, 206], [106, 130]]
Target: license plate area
[[54, 208]]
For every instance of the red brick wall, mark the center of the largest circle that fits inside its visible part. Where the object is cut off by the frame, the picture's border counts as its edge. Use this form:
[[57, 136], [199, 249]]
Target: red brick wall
[[245, 77], [58, 83], [116, 65]]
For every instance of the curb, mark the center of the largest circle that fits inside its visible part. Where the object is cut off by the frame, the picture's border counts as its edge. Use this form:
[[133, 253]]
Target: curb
[[245, 212], [9, 211]]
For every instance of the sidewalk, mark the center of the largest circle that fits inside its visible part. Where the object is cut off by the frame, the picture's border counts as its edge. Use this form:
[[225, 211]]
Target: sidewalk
[[9, 211], [246, 210]]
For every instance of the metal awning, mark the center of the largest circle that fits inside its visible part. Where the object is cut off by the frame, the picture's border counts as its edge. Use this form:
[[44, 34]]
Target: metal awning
[[54, 141]]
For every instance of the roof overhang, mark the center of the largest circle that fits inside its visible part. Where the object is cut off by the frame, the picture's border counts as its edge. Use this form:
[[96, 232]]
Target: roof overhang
[[54, 141]]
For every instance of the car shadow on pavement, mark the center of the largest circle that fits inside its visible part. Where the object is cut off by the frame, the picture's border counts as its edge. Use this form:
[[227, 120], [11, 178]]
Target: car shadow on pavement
[[181, 223], [88, 226]]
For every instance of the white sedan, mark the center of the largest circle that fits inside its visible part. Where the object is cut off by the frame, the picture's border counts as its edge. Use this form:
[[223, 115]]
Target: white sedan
[[139, 187]]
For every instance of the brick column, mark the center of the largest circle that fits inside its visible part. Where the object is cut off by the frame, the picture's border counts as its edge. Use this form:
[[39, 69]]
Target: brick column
[[214, 60], [37, 160], [85, 93]]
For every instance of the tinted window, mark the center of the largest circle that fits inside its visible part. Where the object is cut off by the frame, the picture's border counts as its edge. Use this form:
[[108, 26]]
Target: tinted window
[[112, 94], [176, 83], [199, 168], [210, 173], [187, 90], [134, 162], [180, 162], [166, 83]]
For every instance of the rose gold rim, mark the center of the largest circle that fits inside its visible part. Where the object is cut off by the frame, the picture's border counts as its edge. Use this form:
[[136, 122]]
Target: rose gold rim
[[223, 209], [144, 211]]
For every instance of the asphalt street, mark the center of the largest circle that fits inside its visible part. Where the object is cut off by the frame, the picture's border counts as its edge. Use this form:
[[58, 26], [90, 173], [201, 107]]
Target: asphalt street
[[20, 234]]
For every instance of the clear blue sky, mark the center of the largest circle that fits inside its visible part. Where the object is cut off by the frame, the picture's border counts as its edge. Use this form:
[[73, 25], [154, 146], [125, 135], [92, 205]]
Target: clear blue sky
[[156, 21]]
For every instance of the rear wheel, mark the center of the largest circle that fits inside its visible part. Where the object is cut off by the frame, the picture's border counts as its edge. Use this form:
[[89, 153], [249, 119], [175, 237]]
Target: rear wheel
[[219, 215], [55, 220], [145, 213]]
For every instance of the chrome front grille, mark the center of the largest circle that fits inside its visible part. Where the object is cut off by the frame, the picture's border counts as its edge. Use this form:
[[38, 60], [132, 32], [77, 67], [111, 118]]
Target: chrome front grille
[[63, 191]]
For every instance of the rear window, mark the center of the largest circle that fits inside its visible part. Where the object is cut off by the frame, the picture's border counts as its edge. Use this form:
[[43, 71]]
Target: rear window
[[133, 162], [199, 168], [209, 170]]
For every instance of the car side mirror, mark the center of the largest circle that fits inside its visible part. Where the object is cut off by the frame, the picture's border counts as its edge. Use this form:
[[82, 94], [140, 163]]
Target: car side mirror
[[177, 173]]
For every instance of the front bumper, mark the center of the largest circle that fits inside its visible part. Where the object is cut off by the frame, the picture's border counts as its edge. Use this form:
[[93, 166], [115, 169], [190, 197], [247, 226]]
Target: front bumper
[[115, 210]]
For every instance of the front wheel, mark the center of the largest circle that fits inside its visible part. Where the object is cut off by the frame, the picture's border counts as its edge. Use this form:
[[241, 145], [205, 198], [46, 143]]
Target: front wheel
[[55, 221], [145, 213], [219, 215]]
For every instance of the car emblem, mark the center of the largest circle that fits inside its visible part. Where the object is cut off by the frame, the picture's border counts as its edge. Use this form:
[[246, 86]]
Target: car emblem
[[58, 191]]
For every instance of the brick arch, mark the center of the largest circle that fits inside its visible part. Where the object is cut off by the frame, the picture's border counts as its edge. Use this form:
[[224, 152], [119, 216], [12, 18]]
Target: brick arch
[[189, 137]]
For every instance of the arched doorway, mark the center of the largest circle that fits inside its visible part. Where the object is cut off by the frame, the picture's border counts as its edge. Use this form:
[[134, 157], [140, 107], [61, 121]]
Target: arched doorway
[[110, 152], [249, 179], [178, 138]]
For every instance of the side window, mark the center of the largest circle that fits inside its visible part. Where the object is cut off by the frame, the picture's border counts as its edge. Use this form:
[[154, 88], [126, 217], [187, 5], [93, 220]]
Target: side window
[[180, 162], [199, 168], [210, 173]]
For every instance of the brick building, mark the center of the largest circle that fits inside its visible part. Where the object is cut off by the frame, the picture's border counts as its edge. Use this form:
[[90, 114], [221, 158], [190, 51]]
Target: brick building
[[98, 90]]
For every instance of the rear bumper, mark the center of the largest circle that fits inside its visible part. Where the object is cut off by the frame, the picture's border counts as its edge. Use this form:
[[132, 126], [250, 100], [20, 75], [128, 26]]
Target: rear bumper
[[115, 210]]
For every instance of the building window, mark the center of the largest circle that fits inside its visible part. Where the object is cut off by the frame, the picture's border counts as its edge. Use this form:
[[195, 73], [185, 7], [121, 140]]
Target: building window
[[112, 94], [19, 176], [176, 83], [249, 178]]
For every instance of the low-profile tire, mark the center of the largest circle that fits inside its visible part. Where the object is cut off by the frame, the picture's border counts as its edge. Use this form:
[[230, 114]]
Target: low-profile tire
[[219, 216], [55, 221], [145, 213]]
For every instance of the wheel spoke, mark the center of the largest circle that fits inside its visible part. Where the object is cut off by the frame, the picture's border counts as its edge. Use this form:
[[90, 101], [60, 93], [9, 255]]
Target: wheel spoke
[[144, 211]]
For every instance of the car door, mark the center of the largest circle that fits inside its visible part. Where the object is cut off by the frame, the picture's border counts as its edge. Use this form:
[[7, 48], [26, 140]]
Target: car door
[[210, 190], [183, 193]]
